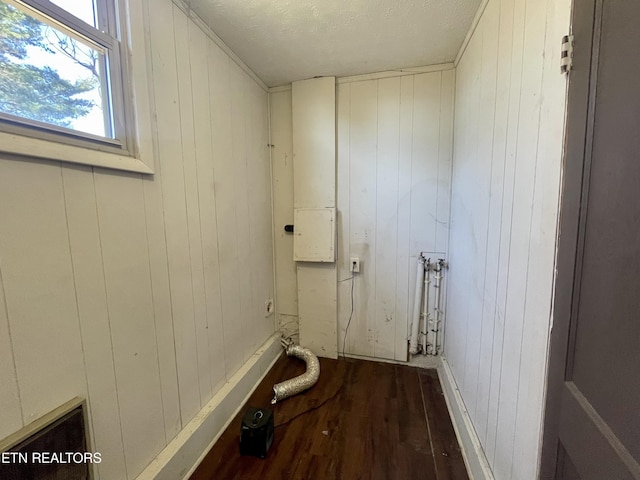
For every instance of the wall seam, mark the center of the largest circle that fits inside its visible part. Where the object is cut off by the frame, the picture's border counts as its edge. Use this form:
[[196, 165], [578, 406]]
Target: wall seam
[[276, 319], [158, 178], [474, 24], [186, 212], [106, 295], [500, 246], [517, 134], [13, 356], [535, 181], [491, 190], [375, 223], [208, 31], [197, 184], [153, 304], [395, 264], [437, 222], [75, 296]]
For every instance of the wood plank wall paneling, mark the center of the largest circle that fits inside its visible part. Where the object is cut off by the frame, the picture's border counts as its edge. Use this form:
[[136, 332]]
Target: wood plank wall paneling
[[386, 172], [314, 118], [239, 167], [314, 185], [405, 260], [282, 159], [220, 108], [10, 405], [186, 109], [386, 241], [93, 310], [159, 262], [143, 294], [362, 216], [130, 307], [506, 173], [188, 100], [394, 141], [343, 136], [39, 289], [208, 229], [543, 236], [394, 163], [261, 208]]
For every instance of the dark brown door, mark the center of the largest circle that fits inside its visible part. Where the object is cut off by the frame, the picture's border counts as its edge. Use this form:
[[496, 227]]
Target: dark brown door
[[592, 421]]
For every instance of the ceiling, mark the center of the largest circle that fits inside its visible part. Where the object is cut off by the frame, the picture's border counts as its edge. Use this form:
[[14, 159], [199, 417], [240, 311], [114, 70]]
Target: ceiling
[[287, 40]]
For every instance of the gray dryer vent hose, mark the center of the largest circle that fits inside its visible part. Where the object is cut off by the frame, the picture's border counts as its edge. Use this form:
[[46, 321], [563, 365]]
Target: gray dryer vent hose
[[302, 382]]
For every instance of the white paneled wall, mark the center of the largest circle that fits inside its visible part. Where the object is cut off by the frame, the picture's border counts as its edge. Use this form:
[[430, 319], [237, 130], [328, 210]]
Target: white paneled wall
[[282, 164], [509, 118], [394, 142], [314, 186], [142, 293], [394, 164]]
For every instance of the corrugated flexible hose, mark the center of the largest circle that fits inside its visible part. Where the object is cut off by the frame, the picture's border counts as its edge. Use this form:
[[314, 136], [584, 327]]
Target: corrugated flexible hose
[[302, 382]]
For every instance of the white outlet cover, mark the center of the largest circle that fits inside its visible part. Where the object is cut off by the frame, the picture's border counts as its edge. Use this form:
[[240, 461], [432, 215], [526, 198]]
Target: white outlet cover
[[355, 264]]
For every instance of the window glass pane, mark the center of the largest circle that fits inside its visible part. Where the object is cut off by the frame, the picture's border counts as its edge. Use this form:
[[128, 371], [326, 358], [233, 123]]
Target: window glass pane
[[50, 77], [85, 10]]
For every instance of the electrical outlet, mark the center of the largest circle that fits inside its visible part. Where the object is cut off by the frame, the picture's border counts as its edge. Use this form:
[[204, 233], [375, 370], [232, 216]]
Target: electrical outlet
[[355, 265]]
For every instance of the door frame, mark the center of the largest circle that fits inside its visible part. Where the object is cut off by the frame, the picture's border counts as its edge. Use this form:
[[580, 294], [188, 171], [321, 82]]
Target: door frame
[[574, 194]]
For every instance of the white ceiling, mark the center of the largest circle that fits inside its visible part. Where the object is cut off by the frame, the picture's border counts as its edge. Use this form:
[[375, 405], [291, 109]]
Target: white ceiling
[[287, 40]]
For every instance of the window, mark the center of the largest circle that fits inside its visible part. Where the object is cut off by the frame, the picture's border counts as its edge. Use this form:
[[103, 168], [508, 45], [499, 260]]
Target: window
[[61, 75]]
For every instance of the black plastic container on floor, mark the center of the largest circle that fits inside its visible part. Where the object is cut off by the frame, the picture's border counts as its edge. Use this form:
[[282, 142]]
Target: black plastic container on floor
[[256, 432]]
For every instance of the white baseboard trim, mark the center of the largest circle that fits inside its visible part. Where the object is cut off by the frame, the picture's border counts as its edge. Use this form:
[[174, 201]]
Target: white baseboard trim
[[180, 458], [472, 452], [419, 361]]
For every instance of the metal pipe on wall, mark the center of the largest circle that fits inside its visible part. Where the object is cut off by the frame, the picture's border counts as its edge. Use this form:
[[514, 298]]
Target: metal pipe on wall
[[426, 315], [415, 325], [440, 265]]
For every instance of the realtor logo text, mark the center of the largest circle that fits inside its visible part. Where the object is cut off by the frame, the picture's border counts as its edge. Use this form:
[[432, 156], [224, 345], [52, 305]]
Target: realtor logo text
[[50, 457]]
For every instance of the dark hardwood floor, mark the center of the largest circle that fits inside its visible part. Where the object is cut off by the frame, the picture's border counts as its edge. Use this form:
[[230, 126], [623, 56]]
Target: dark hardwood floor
[[362, 420]]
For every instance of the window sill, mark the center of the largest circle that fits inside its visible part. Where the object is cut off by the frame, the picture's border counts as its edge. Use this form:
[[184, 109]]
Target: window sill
[[44, 149]]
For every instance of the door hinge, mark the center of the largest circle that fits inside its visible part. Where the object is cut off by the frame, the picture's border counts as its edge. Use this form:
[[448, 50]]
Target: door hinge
[[566, 54]]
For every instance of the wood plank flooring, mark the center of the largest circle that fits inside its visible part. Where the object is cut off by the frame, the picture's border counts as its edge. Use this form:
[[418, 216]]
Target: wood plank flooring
[[362, 420]]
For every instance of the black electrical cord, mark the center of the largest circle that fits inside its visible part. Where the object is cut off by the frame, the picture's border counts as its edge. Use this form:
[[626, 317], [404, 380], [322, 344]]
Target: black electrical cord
[[343, 349], [315, 407], [346, 330]]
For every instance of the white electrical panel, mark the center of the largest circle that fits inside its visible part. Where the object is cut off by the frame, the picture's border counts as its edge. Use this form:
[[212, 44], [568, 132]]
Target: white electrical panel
[[314, 235]]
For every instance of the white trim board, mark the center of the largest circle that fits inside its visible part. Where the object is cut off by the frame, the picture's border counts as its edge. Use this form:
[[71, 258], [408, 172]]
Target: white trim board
[[180, 458], [186, 9], [472, 452], [441, 67], [472, 29], [400, 72], [280, 88], [427, 362]]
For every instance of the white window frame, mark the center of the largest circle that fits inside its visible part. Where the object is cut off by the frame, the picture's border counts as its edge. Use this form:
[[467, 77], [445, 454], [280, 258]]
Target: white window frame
[[129, 103]]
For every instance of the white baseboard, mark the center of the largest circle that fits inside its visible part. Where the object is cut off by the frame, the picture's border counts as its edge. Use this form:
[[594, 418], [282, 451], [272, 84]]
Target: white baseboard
[[472, 452], [179, 459], [420, 361]]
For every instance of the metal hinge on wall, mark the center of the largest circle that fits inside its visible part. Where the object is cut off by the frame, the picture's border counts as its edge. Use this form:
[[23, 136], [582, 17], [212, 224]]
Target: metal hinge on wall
[[566, 54]]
